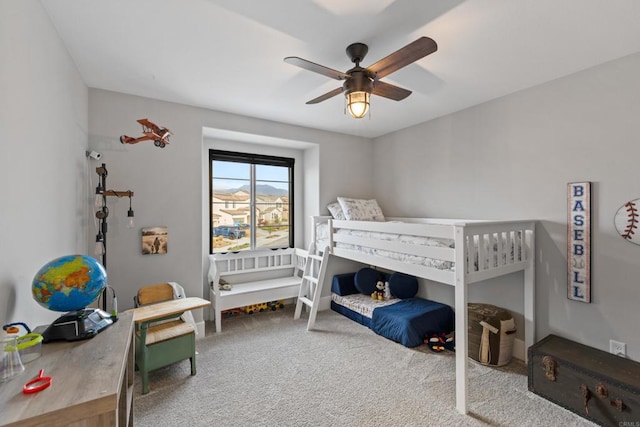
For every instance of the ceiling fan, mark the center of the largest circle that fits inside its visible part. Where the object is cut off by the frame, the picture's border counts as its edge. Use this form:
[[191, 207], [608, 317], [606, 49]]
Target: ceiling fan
[[360, 83]]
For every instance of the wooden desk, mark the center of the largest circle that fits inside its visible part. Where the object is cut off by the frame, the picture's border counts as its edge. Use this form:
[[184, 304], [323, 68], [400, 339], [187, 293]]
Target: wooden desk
[[92, 383], [167, 308]]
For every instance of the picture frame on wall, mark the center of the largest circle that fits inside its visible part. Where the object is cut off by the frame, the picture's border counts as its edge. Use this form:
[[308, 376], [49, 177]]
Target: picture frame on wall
[[579, 241], [154, 240]]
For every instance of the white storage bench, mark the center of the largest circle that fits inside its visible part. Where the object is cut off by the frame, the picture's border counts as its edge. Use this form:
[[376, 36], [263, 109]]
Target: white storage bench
[[255, 277]]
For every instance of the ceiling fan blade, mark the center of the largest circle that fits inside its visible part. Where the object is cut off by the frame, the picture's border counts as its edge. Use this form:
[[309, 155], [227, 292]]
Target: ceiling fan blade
[[403, 57], [390, 91], [326, 96], [316, 68]]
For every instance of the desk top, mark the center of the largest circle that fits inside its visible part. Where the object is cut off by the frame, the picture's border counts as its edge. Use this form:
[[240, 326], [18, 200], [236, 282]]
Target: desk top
[[167, 308], [86, 379]]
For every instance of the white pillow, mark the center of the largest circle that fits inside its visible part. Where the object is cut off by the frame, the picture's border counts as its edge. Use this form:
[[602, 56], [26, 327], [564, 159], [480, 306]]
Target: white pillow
[[361, 209], [336, 211]]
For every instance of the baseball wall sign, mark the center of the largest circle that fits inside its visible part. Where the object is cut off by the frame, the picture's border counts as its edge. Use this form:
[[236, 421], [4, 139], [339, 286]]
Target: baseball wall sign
[[579, 241], [626, 221]]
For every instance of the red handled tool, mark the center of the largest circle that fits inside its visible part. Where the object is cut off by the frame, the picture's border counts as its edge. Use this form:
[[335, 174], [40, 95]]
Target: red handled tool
[[37, 384]]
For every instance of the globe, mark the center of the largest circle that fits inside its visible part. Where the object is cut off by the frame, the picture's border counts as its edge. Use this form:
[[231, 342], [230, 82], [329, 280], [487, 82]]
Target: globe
[[69, 283]]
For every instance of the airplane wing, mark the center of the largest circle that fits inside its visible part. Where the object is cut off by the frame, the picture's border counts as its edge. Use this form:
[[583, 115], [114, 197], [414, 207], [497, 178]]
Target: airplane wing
[[149, 126]]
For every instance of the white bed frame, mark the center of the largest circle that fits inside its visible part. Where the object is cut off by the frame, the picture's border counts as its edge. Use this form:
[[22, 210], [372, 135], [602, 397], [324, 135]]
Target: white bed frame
[[504, 234]]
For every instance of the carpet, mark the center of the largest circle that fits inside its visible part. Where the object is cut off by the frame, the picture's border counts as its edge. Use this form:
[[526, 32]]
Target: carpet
[[267, 369]]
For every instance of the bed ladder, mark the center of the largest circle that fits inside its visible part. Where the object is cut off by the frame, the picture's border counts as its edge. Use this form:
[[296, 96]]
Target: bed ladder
[[311, 286]]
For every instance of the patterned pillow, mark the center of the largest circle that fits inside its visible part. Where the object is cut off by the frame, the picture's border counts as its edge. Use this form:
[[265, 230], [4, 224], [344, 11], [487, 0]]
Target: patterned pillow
[[336, 211], [360, 209]]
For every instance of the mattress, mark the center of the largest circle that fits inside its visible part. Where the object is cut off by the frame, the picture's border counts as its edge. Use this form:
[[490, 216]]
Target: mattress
[[411, 320], [322, 240], [356, 317], [361, 304], [405, 321], [491, 260]]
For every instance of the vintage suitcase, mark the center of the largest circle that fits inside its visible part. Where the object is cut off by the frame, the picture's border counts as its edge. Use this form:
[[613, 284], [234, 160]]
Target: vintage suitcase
[[600, 386]]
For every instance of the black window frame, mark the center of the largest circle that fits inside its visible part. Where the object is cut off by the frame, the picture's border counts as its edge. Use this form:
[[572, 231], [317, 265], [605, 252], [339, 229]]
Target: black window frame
[[255, 159]]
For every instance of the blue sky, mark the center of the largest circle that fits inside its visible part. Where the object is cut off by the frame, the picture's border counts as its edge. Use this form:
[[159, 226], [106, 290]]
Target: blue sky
[[276, 176]]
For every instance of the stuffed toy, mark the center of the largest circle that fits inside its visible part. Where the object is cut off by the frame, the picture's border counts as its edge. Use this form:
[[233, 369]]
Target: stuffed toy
[[379, 292], [438, 342], [224, 285]]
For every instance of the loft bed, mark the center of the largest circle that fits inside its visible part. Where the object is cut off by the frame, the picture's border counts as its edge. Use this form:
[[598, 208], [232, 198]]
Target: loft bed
[[450, 251]]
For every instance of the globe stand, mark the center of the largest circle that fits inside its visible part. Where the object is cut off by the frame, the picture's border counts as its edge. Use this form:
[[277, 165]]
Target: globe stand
[[78, 325]]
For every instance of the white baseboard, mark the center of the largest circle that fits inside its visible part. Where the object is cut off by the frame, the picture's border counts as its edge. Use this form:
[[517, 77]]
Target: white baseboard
[[519, 350], [325, 303], [200, 330]]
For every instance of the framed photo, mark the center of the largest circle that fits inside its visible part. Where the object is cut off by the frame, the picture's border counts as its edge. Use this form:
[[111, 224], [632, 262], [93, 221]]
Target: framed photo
[[154, 240], [579, 241]]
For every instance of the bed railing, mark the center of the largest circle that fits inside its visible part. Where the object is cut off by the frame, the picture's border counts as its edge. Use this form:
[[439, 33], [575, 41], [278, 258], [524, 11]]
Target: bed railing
[[491, 248], [497, 248]]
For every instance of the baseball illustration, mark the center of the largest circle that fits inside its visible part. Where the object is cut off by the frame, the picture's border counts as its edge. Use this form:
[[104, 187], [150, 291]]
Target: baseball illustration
[[627, 220]]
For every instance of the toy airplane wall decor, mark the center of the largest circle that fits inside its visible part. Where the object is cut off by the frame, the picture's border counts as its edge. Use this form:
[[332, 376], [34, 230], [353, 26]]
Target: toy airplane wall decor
[[152, 132]]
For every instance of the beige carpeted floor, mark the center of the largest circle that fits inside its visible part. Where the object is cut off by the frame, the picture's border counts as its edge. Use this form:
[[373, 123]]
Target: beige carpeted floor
[[266, 370]]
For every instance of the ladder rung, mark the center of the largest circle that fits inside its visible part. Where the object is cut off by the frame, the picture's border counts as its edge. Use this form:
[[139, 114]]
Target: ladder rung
[[309, 293], [306, 301]]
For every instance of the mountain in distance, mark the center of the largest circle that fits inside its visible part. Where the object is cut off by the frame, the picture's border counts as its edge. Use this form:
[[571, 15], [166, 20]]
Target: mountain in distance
[[264, 189]]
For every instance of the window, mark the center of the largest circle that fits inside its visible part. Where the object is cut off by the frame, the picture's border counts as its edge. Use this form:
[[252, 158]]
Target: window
[[251, 201]]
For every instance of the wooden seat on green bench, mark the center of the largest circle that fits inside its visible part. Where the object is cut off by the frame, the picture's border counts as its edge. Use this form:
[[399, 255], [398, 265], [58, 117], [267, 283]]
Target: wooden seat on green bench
[[164, 341]]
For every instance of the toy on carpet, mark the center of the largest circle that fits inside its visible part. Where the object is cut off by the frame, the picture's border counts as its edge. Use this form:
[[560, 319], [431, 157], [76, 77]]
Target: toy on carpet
[[274, 305], [439, 342], [379, 292], [254, 308], [232, 312]]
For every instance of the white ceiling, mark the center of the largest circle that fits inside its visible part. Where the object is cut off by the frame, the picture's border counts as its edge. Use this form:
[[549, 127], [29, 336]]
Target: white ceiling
[[227, 55]]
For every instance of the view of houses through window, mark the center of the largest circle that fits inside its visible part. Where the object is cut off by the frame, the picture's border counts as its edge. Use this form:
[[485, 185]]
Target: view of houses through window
[[250, 200]]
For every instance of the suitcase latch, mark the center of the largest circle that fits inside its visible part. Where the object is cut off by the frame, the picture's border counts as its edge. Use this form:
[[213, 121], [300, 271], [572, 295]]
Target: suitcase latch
[[586, 395], [549, 364], [618, 404], [601, 391]]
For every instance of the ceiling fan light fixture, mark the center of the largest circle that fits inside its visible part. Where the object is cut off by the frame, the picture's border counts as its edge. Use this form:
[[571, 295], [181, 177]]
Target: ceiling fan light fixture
[[358, 104], [359, 82]]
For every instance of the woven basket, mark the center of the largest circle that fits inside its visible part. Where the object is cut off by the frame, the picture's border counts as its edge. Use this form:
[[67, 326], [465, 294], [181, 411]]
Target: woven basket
[[491, 334]]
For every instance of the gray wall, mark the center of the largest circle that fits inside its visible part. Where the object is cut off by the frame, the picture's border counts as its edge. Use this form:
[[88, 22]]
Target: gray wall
[[171, 184], [43, 169], [512, 159]]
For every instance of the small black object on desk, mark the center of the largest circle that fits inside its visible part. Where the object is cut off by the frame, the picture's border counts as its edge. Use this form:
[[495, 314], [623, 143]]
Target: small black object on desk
[[78, 325]]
